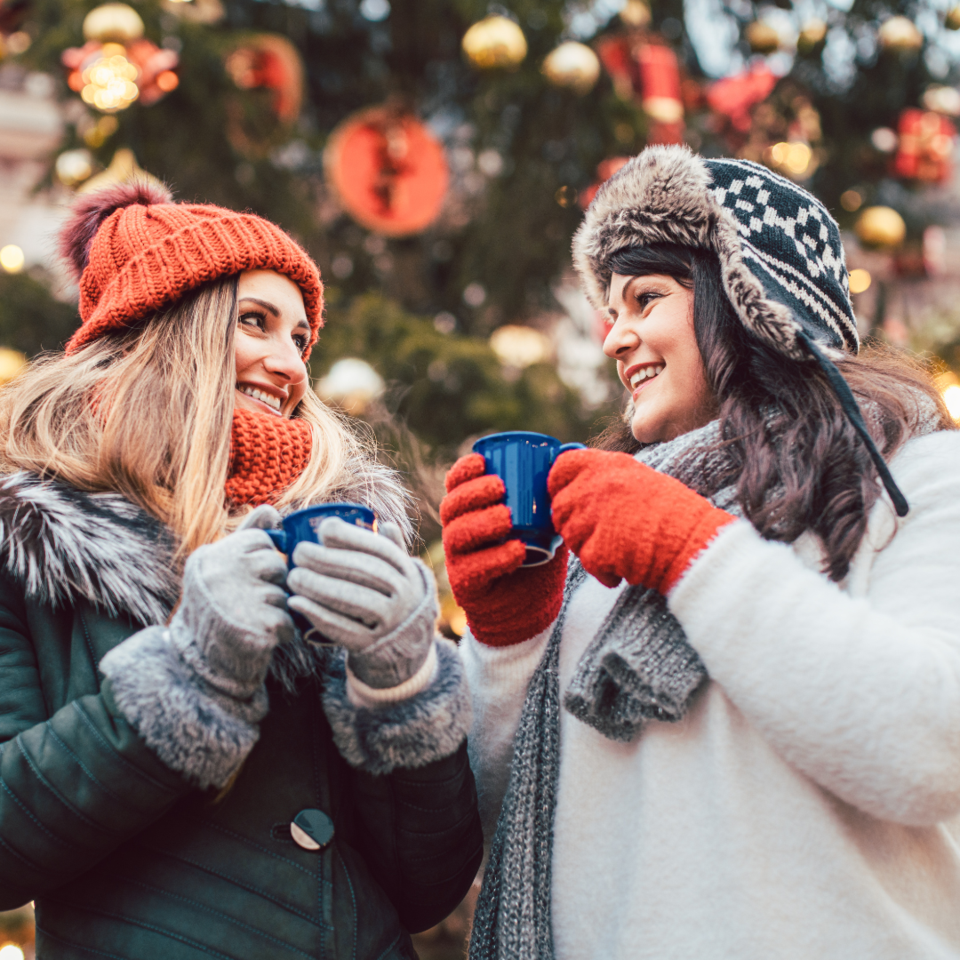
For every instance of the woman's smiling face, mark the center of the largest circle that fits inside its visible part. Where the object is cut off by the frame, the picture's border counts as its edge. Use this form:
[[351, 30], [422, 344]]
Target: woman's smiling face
[[652, 339], [272, 333]]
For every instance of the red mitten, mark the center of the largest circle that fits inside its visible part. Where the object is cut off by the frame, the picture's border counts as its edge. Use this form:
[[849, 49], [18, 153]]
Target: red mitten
[[504, 602], [626, 521]]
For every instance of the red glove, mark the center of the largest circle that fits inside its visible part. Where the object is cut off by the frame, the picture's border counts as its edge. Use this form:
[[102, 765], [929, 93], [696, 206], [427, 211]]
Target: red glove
[[504, 602], [626, 521]]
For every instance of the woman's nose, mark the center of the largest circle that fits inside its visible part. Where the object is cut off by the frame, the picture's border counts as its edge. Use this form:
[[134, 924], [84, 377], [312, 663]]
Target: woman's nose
[[285, 361], [620, 339]]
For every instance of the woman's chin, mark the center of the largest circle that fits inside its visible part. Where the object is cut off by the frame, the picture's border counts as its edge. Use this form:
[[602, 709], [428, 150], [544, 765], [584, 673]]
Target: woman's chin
[[645, 429]]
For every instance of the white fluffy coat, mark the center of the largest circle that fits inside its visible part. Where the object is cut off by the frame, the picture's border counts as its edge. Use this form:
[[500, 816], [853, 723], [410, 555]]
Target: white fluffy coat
[[802, 810]]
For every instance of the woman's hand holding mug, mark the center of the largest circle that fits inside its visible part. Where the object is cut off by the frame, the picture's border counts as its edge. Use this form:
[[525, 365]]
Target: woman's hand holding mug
[[233, 610], [627, 522], [361, 590], [505, 602]]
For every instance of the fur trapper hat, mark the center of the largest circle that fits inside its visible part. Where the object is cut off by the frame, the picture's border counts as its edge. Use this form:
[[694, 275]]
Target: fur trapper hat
[[135, 251], [780, 252]]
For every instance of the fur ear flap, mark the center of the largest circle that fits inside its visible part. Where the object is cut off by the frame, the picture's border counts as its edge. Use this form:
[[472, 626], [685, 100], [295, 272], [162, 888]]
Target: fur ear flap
[[91, 210]]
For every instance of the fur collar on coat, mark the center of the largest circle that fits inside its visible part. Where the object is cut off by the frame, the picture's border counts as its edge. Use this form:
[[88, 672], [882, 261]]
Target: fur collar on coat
[[62, 545]]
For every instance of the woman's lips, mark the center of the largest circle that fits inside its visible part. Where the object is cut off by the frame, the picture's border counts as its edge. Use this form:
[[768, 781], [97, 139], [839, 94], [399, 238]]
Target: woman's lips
[[642, 386]]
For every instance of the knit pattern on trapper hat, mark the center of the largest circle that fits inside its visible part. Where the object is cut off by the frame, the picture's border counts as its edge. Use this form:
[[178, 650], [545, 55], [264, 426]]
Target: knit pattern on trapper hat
[[780, 251], [136, 253], [267, 453], [792, 245]]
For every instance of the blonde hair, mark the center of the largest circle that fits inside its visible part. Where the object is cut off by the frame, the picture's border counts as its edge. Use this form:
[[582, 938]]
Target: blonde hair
[[147, 413]]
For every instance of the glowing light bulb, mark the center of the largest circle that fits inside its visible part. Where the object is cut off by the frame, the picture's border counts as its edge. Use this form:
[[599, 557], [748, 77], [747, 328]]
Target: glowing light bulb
[[10, 951]]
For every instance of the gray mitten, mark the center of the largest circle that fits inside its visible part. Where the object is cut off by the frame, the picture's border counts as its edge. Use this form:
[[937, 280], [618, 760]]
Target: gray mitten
[[233, 609], [361, 590]]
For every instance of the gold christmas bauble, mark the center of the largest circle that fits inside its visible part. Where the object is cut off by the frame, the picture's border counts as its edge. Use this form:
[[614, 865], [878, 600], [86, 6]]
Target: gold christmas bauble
[[663, 109], [762, 37], [519, 346], [813, 33], [880, 227], [73, 166], [123, 168], [952, 21], [900, 35], [195, 11], [11, 363], [495, 42], [635, 13], [942, 99], [113, 21], [572, 65]]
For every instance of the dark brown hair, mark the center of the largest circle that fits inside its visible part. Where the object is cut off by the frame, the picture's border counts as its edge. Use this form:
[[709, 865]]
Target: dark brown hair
[[795, 458]]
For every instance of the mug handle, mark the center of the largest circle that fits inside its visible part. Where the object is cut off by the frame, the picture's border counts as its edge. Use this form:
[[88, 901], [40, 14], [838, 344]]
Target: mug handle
[[571, 446], [279, 538]]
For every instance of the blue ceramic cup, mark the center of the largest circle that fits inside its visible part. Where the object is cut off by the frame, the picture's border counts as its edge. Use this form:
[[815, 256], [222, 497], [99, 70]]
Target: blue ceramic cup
[[304, 525], [522, 461]]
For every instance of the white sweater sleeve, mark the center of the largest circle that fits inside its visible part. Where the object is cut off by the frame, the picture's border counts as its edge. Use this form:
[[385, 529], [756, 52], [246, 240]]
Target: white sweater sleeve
[[498, 678], [860, 694]]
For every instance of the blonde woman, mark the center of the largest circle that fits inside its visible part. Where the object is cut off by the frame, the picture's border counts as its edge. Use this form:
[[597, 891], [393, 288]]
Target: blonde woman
[[181, 775]]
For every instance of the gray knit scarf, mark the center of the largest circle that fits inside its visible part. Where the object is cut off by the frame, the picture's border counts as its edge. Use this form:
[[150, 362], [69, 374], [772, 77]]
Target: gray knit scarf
[[639, 667]]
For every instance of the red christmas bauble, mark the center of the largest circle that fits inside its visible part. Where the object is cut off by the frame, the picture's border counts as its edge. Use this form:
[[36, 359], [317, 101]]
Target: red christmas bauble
[[389, 171]]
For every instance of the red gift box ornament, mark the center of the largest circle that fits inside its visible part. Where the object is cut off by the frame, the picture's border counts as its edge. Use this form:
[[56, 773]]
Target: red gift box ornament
[[925, 148], [614, 54], [661, 97], [735, 97], [660, 83]]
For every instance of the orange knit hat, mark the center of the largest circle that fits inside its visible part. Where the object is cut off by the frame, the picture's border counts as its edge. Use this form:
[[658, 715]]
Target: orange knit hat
[[135, 251]]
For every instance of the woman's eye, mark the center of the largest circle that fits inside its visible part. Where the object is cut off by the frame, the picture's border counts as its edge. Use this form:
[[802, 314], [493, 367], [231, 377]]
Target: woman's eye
[[252, 319], [645, 299], [301, 342]]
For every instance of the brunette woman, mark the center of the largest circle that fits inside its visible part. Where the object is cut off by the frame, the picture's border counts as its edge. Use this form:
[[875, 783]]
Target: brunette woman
[[181, 775], [736, 732]]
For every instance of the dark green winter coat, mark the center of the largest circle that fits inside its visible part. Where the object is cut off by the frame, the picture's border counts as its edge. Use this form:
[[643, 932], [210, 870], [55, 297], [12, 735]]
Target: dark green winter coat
[[124, 858]]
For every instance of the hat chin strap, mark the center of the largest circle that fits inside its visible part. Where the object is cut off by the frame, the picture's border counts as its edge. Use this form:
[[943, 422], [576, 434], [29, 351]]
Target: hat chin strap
[[849, 403]]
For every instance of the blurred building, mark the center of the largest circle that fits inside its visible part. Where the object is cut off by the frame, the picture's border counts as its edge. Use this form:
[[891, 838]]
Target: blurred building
[[31, 128]]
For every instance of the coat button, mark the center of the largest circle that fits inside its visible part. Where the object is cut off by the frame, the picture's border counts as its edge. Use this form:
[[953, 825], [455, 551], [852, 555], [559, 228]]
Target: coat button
[[311, 829]]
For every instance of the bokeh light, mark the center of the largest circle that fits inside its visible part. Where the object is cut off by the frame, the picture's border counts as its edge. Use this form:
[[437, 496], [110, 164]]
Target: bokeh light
[[12, 261], [860, 280], [951, 397], [792, 158], [110, 82]]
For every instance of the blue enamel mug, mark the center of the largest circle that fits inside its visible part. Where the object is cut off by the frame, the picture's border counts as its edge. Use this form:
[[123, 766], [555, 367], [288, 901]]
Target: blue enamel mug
[[522, 461], [305, 525]]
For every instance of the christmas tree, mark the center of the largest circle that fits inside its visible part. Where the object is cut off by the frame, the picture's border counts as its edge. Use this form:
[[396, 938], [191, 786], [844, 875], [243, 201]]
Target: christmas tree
[[853, 104]]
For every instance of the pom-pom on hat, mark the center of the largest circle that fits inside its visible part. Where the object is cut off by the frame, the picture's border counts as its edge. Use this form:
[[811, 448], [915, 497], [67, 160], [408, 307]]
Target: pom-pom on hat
[[135, 251], [780, 252]]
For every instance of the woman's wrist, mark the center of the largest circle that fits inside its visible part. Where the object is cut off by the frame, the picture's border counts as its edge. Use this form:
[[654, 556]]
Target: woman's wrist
[[363, 695]]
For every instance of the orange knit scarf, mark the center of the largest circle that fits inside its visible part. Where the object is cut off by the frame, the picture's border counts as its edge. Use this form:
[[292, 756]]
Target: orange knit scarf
[[267, 454]]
